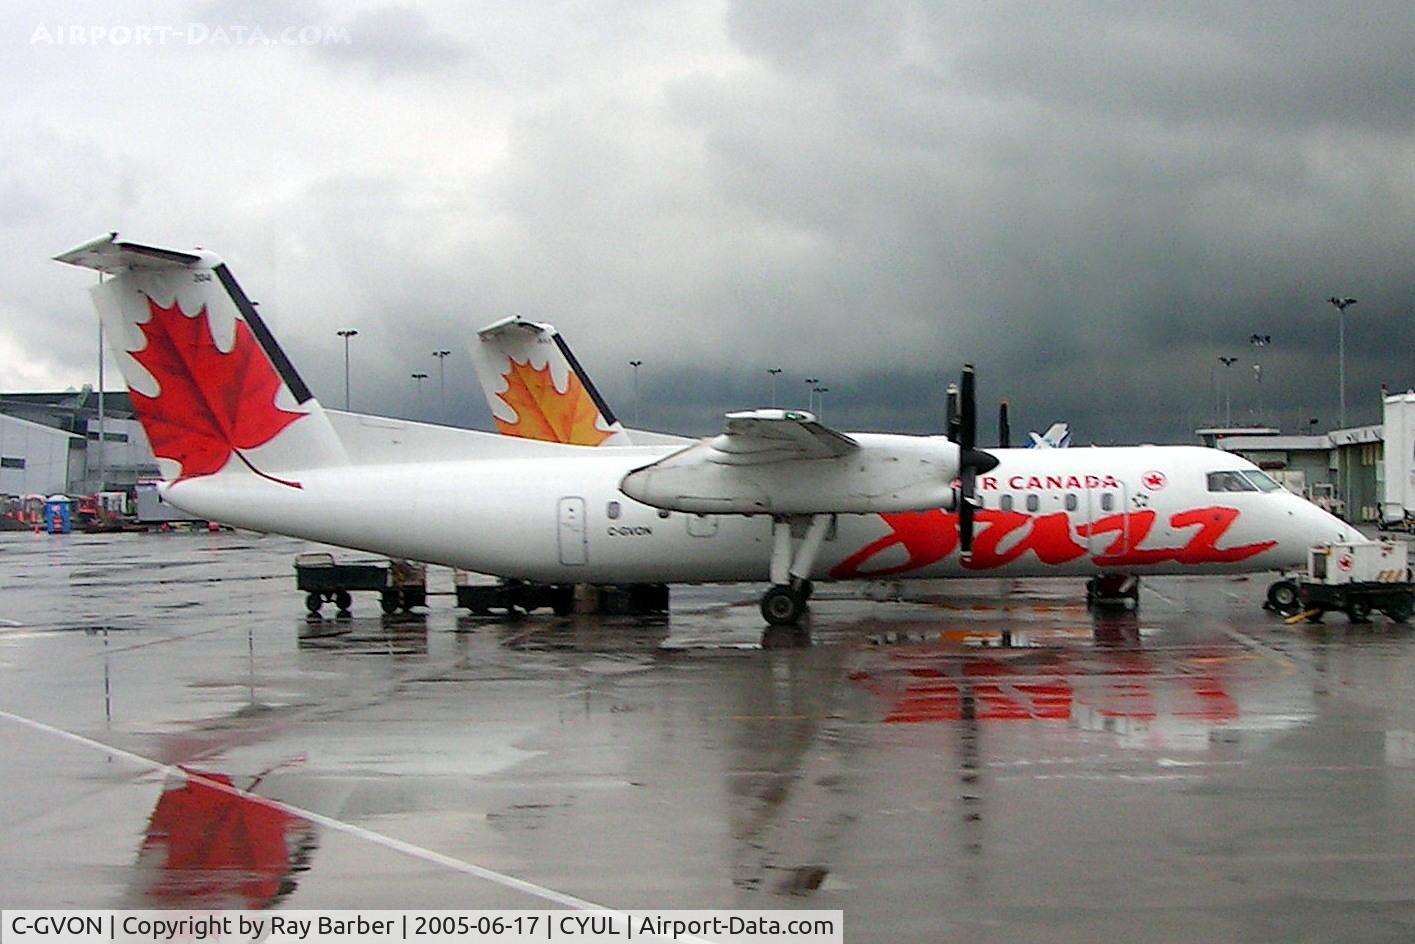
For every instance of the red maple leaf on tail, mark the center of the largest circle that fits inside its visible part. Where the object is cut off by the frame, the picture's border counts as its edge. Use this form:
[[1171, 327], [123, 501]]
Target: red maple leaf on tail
[[209, 403]]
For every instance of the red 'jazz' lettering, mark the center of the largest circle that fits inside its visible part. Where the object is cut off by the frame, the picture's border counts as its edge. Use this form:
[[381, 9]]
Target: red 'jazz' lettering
[[1130, 530], [927, 537], [1003, 537], [1049, 538], [1213, 524]]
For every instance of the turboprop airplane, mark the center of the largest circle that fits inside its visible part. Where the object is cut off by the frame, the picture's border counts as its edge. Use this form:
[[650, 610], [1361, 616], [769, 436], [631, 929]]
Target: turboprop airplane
[[1057, 436], [777, 495]]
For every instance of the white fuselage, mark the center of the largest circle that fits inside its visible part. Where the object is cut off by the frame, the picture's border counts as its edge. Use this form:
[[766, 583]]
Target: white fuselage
[[558, 516]]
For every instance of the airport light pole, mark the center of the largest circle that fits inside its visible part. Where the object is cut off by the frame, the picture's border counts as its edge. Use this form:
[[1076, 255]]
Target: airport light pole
[[102, 456], [1259, 341], [346, 334], [811, 396], [636, 364], [441, 383], [820, 400], [1227, 362], [1341, 305], [418, 378], [773, 371]]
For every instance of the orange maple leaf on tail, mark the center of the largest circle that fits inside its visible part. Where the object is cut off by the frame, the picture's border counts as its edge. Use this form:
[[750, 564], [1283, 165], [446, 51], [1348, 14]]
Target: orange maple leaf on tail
[[548, 414], [209, 403]]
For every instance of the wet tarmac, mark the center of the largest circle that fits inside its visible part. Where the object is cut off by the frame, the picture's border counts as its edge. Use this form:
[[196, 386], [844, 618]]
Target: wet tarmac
[[990, 764]]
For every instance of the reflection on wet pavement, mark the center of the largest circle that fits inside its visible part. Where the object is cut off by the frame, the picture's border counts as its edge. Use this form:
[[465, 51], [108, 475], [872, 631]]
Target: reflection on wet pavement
[[212, 848]]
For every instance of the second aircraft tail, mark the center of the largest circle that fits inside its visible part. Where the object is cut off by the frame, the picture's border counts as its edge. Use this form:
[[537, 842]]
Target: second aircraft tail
[[537, 390]]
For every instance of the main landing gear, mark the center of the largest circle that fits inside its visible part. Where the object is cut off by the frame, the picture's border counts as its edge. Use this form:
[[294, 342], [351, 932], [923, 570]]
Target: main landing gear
[[1108, 591], [785, 603]]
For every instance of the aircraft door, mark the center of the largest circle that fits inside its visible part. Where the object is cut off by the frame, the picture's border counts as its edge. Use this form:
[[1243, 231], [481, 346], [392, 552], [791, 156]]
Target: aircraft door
[[574, 535], [1107, 502]]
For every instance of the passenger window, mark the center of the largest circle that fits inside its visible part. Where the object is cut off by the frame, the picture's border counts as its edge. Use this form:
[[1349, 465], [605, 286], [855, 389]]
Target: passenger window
[[1107, 501], [612, 510], [1033, 502], [1230, 482], [664, 512], [1005, 503], [1070, 502]]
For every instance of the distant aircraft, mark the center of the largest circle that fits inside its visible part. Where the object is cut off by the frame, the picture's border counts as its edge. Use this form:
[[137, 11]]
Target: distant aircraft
[[1057, 436], [776, 496], [536, 389]]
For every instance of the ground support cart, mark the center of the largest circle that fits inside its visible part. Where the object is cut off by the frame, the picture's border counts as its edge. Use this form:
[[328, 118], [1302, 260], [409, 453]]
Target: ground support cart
[[1357, 579], [399, 584], [519, 596], [1357, 600]]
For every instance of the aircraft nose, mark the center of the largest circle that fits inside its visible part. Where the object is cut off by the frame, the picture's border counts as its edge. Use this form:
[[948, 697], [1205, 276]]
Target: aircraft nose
[[1326, 528]]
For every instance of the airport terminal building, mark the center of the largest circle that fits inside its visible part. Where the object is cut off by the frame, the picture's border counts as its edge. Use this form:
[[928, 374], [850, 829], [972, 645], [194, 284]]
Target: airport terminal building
[[69, 443]]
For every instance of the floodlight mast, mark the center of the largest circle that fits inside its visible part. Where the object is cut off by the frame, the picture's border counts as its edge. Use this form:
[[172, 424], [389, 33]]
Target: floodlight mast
[[1341, 305]]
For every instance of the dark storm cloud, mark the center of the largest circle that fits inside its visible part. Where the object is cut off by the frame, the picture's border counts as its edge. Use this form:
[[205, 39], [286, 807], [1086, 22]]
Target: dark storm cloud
[[1129, 187], [1263, 66], [1092, 202]]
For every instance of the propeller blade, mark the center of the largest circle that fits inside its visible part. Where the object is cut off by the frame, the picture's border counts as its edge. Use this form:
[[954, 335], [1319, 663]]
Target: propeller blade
[[951, 415], [968, 410], [965, 512], [971, 460], [1004, 428]]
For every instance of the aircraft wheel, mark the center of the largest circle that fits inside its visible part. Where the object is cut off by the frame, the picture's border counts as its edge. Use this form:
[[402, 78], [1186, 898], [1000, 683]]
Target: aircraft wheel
[[1282, 597], [783, 606], [313, 602], [1358, 610], [806, 588]]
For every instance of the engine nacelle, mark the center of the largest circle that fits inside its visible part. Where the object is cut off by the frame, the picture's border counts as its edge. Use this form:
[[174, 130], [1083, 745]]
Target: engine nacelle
[[887, 473]]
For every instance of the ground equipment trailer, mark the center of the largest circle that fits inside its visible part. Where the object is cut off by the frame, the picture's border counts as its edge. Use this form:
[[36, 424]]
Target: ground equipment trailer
[[1357, 579], [400, 584], [519, 596]]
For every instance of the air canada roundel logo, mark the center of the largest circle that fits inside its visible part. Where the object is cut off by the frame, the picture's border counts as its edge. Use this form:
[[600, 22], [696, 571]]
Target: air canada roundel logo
[[1154, 480]]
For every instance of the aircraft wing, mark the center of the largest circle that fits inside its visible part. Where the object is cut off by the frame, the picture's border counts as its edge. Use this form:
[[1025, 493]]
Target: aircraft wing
[[756, 437], [786, 462]]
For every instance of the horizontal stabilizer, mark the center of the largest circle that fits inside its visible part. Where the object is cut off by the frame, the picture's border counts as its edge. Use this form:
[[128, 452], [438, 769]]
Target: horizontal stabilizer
[[108, 255]]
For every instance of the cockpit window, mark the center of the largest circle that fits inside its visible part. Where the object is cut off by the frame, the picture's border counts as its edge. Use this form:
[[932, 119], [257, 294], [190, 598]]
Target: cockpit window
[[1264, 481], [1230, 482]]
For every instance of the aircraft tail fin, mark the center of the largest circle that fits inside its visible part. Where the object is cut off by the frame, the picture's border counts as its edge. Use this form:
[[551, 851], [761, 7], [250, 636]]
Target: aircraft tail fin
[[537, 389], [212, 388], [1057, 436]]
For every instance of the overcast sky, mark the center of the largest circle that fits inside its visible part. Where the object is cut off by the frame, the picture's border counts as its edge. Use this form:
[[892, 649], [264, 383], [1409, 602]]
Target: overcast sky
[[1091, 201]]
